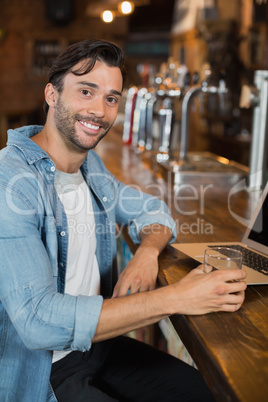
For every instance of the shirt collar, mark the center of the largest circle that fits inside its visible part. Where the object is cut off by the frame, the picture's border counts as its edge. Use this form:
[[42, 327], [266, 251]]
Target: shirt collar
[[20, 138]]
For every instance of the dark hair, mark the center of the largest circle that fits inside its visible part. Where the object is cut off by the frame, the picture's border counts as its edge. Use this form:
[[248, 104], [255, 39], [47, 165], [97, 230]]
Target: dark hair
[[88, 51]]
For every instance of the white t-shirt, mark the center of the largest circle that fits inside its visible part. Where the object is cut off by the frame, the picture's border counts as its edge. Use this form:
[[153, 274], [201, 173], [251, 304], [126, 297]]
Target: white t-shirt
[[82, 274]]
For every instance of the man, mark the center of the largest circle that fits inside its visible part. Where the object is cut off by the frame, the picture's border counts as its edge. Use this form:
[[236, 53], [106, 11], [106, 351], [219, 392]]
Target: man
[[57, 293]]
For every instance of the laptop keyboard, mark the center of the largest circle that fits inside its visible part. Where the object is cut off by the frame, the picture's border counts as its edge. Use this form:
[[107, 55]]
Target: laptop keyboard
[[250, 258]]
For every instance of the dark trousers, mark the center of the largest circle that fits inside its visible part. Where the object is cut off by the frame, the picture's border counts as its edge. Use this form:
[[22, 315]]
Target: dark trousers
[[123, 369]]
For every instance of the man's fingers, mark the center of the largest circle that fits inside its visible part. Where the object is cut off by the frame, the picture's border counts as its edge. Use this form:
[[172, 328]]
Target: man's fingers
[[232, 275]]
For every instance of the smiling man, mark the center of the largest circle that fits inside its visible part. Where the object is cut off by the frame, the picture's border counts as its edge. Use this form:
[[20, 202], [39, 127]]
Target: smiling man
[[63, 310], [83, 111]]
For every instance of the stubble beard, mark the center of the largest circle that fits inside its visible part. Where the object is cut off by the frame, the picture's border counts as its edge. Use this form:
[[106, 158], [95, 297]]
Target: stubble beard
[[65, 123]]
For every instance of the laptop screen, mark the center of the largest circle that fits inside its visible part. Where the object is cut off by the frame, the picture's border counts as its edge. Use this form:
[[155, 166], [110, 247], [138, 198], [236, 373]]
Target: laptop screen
[[259, 231], [257, 234]]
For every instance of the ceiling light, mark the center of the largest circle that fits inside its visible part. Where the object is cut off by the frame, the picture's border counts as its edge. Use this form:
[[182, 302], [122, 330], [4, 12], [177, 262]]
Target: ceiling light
[[126, 7], [107, 16]]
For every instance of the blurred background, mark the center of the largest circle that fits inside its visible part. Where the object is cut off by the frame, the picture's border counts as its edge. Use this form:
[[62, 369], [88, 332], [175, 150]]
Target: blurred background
[[225, 37]]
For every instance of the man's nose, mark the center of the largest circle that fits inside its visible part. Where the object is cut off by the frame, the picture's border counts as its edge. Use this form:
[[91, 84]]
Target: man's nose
[[96, 107]]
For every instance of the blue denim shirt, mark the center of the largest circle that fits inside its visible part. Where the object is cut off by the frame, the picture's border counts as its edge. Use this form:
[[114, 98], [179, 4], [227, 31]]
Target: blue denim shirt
[[35, 316]]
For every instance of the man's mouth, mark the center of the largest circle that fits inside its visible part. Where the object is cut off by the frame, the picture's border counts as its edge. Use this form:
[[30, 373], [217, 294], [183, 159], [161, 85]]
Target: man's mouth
[[90, 125]]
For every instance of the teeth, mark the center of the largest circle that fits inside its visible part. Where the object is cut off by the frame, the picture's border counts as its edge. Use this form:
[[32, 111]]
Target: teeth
[[88, 125]]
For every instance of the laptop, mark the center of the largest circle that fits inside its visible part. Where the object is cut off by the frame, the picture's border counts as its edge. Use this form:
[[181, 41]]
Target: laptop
[[254, 245]]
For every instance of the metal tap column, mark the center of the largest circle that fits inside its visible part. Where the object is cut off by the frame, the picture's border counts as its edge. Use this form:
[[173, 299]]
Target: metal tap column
[[258, 154], [190, 94]]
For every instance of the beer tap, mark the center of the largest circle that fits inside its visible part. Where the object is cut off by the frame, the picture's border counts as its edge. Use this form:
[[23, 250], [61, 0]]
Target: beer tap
[[151, 100], [139, 118], [129, 115], [166, 119], [141, 138], [167, 91], [257, 96], [143, 121], [183, 162]]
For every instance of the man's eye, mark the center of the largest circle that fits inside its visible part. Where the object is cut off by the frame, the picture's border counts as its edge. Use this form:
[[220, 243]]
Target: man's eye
[[112, 100], [85, 92]]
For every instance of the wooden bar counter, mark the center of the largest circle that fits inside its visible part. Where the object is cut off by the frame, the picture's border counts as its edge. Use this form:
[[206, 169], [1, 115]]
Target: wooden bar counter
[[230, 349]]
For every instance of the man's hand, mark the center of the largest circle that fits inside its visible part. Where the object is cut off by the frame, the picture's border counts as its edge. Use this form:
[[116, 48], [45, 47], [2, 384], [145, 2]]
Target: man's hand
[[201, 293], [141, 272], [197, 293]]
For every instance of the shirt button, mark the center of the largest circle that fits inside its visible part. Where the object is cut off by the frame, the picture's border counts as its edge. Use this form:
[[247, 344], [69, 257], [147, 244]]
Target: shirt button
[[105, 199], [62, 233], [52, 169]]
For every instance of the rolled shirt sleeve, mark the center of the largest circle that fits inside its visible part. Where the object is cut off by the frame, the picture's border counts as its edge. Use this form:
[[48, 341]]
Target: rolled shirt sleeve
[[138, 209]]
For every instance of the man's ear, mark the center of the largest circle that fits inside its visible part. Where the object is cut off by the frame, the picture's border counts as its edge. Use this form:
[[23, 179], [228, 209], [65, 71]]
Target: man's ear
[[51, 95]]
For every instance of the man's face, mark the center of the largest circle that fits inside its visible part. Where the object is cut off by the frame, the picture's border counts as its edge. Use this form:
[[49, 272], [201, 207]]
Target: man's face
[[87, 107]]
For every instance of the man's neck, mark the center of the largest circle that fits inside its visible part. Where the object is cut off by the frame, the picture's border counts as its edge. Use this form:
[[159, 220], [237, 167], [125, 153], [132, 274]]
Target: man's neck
[[65, 160]]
